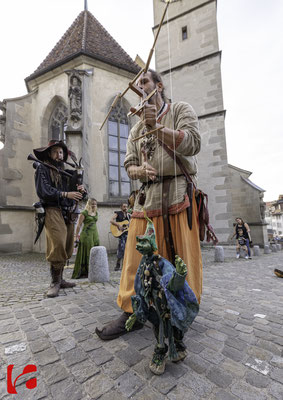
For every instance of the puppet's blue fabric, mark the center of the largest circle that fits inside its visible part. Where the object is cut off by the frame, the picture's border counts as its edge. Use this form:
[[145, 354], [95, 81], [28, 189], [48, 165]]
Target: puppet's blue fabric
[[182, 303]]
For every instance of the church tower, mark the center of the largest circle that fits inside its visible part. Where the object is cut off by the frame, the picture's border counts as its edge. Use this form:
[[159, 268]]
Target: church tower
[[188, 57]]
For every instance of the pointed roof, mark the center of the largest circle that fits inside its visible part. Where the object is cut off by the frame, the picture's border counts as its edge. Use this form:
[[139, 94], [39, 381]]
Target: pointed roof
[[241, 170], [86, 36], [249, 182]]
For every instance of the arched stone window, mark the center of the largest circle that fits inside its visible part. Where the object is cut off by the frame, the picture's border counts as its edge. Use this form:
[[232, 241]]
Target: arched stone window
[[58, 122], [118, 131]]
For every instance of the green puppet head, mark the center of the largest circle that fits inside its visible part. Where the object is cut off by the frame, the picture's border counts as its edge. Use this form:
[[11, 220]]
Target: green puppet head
[[146, 244]]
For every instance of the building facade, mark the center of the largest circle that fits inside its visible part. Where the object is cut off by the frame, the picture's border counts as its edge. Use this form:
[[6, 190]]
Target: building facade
[[69, 96], [274, 218]]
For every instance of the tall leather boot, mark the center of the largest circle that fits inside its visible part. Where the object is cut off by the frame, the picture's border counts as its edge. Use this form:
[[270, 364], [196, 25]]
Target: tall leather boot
[[64, 284], [55, 282]]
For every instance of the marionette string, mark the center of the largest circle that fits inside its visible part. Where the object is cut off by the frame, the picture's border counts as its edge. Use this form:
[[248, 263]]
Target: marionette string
[[172, 98]]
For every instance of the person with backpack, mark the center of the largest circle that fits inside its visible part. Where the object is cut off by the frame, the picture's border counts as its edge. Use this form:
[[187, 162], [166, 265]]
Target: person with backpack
[[241, 225]]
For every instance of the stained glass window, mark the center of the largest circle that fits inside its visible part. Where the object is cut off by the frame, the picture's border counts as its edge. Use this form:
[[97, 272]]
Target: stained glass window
[[58, 121], [118, 131]]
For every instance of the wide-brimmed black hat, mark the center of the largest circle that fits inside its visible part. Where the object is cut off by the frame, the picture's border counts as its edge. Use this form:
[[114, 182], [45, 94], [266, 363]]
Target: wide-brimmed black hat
[[42, 152]]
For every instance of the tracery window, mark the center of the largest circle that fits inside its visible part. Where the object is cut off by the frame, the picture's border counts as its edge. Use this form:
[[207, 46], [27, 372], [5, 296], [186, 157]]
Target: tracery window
[[58, 122], [118, 131]]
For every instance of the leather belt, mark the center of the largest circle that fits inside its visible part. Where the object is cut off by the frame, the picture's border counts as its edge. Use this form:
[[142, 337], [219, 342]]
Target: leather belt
[[160, 179]]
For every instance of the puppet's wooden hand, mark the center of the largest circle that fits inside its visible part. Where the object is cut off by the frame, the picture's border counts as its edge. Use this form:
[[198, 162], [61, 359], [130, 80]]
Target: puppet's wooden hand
[[181, 267], [130, 322]]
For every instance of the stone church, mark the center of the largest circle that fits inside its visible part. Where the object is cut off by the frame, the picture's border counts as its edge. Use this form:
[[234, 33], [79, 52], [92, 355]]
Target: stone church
[[69, 96]]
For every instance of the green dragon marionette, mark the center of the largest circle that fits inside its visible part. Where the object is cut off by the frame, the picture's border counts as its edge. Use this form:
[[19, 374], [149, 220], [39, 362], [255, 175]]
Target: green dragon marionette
[[164, 298]]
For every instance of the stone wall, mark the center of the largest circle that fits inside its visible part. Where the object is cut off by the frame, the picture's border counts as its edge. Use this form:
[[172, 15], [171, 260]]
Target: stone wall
[[176, 8], [213, 176], [171, 50], [246, 197], [16, 176]]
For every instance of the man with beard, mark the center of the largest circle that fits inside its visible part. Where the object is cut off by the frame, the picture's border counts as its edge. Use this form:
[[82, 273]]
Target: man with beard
[[160, 161], [59, 202]]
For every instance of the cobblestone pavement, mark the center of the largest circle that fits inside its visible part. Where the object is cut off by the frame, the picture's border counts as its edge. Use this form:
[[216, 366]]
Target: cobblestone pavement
[[234, 346]]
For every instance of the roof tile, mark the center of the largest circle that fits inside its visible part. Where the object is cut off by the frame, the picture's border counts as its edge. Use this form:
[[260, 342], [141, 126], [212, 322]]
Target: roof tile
[[86, 36]]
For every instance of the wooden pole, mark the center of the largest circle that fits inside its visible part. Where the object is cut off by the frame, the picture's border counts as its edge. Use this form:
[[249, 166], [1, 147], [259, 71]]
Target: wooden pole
[[115, 101], [132, 82], [155, 39], [147, 133], [140, 106]]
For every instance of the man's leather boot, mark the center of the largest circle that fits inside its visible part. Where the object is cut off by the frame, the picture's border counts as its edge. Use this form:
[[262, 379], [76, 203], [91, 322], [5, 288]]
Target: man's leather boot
[[64, 284], [55, 282], [278, 273], [117, 328]]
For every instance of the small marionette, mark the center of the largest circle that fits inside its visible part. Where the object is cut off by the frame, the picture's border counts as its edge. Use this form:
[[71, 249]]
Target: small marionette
[[164, 298]]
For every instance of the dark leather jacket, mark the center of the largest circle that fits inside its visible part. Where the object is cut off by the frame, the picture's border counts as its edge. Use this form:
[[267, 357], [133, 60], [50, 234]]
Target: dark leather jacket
[[49, 194]]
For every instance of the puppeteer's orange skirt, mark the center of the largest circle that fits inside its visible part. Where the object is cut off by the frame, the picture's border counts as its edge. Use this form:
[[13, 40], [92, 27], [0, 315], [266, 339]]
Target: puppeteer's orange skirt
[[186, 244]]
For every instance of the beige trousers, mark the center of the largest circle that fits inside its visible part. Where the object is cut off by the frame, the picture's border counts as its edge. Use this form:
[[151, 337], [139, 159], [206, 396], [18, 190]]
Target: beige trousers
[[186, 244], [59, 238]]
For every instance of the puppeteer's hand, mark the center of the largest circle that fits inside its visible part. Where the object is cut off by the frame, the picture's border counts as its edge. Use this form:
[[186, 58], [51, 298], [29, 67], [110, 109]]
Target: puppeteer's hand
[[147, 171], [149, 115], [181, 267], [133, 110], [142, 172], [130, 322]]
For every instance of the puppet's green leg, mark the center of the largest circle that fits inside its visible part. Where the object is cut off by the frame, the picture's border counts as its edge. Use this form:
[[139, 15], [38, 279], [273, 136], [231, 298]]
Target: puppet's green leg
[[157, 363], [180, 346]]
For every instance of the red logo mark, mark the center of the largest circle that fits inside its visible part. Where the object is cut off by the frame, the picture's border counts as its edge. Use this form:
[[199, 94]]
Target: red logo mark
[[30, 384]]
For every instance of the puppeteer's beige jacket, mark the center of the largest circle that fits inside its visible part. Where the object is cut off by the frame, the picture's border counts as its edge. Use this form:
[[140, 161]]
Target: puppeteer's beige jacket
[[177, 116]]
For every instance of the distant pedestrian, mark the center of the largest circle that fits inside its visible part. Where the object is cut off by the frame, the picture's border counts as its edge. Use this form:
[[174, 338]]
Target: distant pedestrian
[[241, 225], [120, 220], [241, 244]]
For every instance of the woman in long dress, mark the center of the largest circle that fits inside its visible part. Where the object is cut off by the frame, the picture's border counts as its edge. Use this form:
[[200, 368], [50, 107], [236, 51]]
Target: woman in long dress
[[87, 239]]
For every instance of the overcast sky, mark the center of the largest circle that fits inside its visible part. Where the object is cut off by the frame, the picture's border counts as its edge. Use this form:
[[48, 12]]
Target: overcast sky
[[251, 40]]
